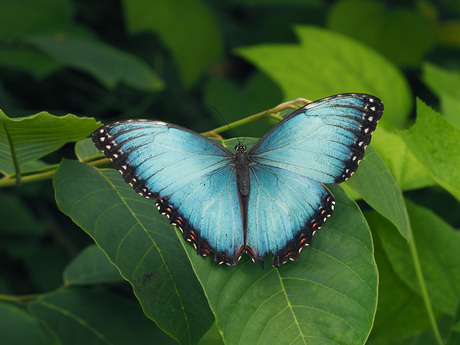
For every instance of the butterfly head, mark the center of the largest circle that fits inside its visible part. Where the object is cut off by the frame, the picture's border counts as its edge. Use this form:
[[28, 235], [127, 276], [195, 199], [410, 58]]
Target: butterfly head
[[240, 148]]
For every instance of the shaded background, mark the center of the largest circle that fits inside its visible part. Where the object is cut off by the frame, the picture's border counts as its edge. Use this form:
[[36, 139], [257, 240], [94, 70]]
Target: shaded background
[[174, 61]]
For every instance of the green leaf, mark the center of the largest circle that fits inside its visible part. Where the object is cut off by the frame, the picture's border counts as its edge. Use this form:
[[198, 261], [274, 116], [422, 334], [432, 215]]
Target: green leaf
[[326, 63], [437, 246], [446, 85], [400, 313], [140, 242], [194, 42], [434, 142], [405, 168], [86, 151], [374, 182], [18, 327], [29, 16], [403, 35], [91, 266], [26, 139], [80, 316], [328, 296], [108, 65]]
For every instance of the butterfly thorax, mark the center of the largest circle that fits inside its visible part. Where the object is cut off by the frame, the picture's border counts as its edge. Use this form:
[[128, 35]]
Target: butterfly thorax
[[242, 161]]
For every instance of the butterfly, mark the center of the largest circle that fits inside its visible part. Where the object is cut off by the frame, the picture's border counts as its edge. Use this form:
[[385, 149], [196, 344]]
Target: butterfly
[[270, 199]]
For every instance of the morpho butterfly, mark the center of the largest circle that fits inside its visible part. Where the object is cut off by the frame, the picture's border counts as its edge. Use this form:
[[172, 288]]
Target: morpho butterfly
[[270, 199]]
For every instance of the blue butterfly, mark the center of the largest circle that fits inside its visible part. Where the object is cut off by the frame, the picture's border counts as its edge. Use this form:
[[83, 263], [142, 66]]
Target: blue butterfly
[[270, 199]]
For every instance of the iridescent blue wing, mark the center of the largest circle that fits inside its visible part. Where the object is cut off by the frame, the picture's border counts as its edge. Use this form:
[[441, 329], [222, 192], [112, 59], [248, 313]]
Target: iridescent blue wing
[[285, 210], [191, 177], [322, 142]]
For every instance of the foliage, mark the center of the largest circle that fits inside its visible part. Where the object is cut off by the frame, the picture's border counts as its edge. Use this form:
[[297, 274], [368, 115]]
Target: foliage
[[383, 270]]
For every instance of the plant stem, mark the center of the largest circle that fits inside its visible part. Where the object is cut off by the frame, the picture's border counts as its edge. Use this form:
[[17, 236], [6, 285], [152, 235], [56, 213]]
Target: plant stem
[[10, 181], [425, 296]]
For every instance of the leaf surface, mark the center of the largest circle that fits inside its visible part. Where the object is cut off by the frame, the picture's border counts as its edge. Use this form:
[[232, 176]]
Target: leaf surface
[[140, 242]]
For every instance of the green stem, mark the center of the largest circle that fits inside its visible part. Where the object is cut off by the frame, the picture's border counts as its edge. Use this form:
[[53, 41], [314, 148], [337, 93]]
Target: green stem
[[425, 296], [20, 299], [8, 181], [267, 113]]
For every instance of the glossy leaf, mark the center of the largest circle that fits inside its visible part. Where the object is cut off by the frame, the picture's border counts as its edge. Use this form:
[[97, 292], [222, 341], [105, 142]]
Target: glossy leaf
[[408, 172], [85, 150], [140, 242], [91, 266], [374, 182], [434, 141], [328, 296], [79, 316], [26, 139], [310, 69]]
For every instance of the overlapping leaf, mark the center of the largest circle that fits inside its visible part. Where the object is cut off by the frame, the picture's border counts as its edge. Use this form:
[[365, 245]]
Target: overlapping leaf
[[25, 140], [434, 142], [143, 246], [325, 63], [79, 316], [375, 184], [328, 296]]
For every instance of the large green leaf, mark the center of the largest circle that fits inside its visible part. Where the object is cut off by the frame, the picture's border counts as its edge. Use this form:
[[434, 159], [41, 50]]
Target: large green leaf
[[326, 63], [435, 143], [140, 242], [328, 296], [374, 182], [194, 42], [437, 246], [26, 139], [19, 327], [81, 316], [408, 172], [105, 63], [91, 266]]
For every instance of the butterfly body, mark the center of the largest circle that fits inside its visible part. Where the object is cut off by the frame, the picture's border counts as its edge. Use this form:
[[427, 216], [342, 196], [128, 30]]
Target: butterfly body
[[271, 199]]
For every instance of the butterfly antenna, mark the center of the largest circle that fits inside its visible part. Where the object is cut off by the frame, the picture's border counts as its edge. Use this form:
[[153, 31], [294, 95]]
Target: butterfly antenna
[[226, 122], [254, 125]]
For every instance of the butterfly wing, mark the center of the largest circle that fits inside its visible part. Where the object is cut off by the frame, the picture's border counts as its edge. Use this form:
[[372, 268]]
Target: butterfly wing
[[190, 176], [285, 210], [322, 142]]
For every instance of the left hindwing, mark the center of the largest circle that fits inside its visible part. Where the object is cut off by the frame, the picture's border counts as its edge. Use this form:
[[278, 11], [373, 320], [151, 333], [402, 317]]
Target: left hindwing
[[324, 140]]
